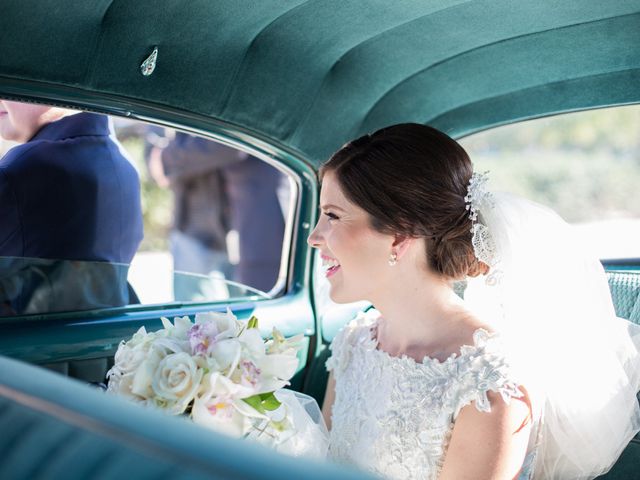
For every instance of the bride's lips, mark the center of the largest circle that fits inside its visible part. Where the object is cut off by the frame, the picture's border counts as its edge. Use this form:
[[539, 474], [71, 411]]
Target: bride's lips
[[330, 265], [332, 271]]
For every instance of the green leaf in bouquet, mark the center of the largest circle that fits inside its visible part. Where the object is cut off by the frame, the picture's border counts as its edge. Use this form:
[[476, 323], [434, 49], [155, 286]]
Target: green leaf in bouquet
[[253, 322], [263, 402], [269, 401], [256, 403]]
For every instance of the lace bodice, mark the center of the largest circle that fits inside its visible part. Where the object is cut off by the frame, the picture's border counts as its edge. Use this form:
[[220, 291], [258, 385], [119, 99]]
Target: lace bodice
[[393, 415]]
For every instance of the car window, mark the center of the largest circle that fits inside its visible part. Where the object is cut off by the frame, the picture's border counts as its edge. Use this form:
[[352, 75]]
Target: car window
[[584, 165], [209, 211], [170, 218]]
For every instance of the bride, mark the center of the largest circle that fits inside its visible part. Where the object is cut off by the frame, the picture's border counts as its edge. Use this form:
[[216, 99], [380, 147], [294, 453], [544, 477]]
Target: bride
[[530, 376]]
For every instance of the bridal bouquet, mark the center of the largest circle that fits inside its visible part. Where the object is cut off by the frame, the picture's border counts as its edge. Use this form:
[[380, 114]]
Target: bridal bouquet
[[223, 375]]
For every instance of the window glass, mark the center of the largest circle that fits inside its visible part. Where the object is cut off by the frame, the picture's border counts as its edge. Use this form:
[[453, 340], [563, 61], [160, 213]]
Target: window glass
[[584, 165], [107, 212], [213, 215]]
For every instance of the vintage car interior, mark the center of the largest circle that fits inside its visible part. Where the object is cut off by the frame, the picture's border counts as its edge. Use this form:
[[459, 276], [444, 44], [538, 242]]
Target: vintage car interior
[[288, 82]]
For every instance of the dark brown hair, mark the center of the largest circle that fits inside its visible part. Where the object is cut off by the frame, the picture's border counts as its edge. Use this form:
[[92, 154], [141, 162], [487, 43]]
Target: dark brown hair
[[412, 180]]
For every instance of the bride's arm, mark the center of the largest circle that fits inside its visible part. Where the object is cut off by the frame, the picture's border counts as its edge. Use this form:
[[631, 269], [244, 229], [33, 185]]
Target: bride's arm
[[329, 396], [489, 445]]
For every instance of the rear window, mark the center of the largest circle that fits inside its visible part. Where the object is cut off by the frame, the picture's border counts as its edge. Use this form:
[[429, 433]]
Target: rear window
[[584, 165]]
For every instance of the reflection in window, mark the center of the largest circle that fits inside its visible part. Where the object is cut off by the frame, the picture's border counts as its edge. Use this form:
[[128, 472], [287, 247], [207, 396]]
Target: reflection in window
[[40, 285], [214, 215]]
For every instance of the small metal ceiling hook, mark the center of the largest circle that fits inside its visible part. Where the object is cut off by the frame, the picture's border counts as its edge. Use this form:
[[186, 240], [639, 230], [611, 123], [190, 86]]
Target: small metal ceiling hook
[[149, 65]]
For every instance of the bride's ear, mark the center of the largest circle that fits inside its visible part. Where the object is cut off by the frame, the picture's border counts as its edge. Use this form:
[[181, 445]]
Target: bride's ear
[[401, 245]]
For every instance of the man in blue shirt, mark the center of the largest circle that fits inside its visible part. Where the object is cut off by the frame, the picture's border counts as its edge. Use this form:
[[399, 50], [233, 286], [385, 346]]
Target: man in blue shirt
[[68, 193]]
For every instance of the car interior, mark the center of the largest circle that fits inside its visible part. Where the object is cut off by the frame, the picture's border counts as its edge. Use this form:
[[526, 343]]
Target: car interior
[[288, 83]]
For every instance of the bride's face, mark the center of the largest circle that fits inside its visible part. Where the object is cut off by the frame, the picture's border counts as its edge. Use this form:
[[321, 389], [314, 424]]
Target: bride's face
[[354, 255]]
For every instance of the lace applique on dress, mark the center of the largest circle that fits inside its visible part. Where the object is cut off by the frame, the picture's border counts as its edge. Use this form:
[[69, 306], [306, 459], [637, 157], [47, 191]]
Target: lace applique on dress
[[393, 415], [483, 367], [358, 331]]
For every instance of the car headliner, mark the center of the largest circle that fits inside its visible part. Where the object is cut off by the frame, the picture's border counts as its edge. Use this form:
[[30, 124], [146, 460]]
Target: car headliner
[[308, 75]]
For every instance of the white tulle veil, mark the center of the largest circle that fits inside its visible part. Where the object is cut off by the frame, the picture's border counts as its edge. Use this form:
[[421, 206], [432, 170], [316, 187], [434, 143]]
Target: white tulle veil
[[550, 300]]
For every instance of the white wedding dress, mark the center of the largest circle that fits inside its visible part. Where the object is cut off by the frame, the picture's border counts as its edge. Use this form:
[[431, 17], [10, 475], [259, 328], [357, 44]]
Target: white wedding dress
[[394, 416], [544, 294]]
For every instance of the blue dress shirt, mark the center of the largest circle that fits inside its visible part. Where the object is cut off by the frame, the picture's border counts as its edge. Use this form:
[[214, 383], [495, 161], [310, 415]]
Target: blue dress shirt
[[69, 193]]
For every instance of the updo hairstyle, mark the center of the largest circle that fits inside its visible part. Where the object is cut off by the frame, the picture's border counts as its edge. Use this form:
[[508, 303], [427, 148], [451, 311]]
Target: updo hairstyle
[[412, 179]]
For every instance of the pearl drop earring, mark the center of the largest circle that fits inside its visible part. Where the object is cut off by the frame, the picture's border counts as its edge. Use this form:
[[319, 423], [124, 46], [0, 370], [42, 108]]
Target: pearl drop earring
[[393, 259]]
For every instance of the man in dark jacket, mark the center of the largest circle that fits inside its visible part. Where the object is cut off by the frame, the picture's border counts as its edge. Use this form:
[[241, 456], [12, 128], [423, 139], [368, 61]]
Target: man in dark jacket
[[67, 192], [217, 189], [253, 186], [191, 167]]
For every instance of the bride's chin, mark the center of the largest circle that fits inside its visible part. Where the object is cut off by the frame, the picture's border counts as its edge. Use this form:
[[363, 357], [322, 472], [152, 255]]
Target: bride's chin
[[335, 296], [341, 297]]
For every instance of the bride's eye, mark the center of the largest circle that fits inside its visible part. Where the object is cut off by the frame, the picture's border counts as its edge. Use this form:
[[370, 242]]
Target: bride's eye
[[332, 216]]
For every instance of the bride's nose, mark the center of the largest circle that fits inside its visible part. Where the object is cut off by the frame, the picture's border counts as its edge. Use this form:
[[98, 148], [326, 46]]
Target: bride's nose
[[315, 238]]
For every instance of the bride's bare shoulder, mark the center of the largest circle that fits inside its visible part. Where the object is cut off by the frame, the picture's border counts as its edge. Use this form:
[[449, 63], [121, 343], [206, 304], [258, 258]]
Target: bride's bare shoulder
[[463, 327]]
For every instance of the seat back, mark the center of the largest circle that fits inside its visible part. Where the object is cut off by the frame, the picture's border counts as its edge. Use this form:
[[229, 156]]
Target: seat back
[[56, 427], [625, 292]]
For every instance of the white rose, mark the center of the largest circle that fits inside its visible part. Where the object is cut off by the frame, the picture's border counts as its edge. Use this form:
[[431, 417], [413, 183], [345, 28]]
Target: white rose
[[121, 385], [141, 337], [176, 382], [115, 381], [127, 359], [143, 376]]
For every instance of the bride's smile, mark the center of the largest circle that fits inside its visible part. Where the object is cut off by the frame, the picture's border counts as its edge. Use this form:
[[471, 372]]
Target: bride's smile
[[330, 265], [354, 255]]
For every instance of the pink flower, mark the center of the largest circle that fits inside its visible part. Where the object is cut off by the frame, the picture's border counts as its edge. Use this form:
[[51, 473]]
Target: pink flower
[[250, 373], [221, 407], [202, 337]]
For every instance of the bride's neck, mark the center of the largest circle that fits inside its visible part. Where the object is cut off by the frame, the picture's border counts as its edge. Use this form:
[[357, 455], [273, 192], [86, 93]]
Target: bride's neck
[[417, 311]]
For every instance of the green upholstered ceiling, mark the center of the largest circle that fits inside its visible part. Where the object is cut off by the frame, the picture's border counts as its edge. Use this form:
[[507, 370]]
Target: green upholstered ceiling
[[311, 74]]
